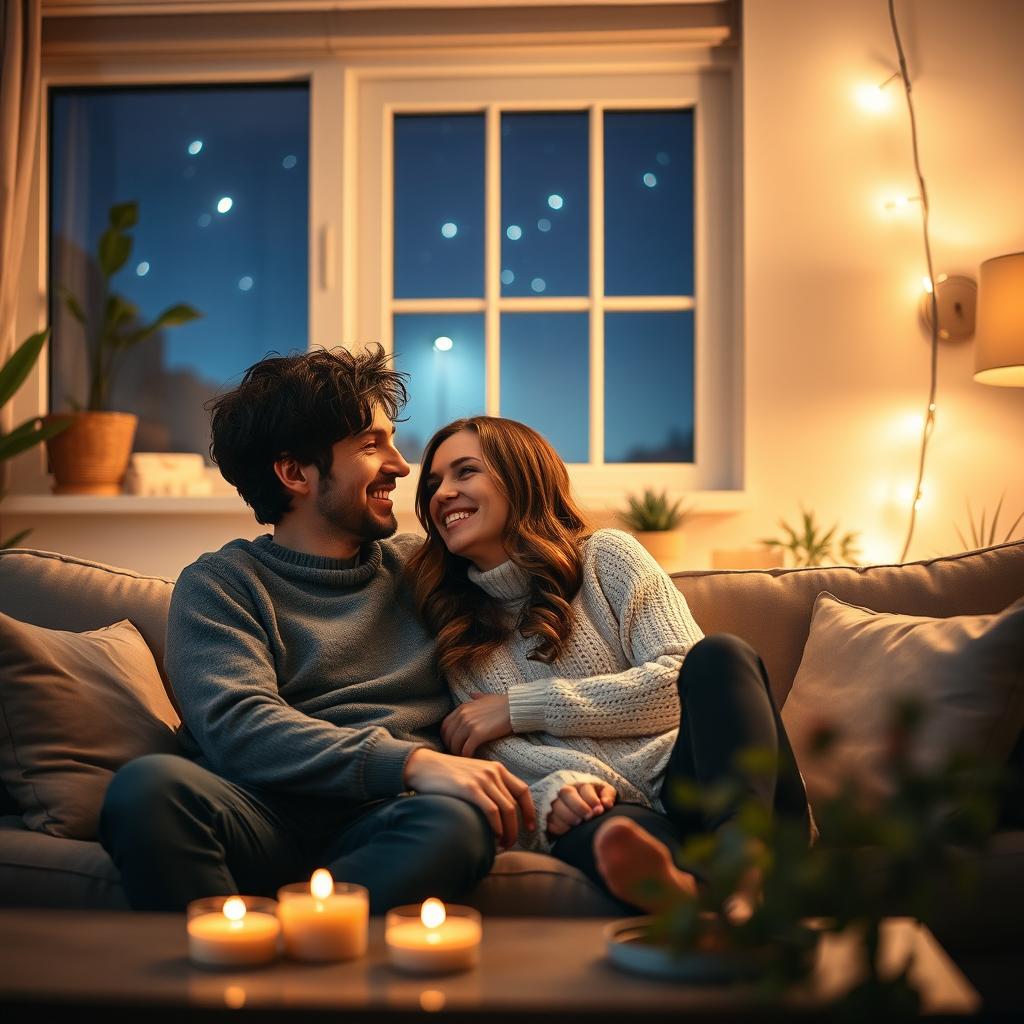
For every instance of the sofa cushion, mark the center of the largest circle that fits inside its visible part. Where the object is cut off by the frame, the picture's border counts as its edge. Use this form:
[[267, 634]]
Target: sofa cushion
[[74, 707], [39, 870], [771, 609], [61, 592], [966, 672]]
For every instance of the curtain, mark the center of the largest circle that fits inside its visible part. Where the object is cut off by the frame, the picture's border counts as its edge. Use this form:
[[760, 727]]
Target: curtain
[[20, 21]]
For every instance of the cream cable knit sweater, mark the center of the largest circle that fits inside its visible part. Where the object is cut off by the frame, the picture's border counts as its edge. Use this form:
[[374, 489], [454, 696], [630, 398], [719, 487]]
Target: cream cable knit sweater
[[608, 708]]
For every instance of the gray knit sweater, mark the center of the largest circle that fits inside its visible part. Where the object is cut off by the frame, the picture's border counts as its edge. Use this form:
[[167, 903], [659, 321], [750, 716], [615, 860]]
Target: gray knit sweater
[[608, 708], [296, 673]]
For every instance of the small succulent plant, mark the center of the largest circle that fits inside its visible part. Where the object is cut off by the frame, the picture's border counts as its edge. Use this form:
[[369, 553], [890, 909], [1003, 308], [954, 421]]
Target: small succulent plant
[[811, 544], [653, 513]]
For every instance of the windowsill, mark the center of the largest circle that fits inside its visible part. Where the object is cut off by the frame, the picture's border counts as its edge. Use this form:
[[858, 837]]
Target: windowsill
[[702, 503]]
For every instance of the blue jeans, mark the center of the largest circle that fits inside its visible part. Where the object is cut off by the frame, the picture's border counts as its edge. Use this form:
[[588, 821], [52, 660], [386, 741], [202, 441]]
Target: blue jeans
[[727, 706], [178, 832]]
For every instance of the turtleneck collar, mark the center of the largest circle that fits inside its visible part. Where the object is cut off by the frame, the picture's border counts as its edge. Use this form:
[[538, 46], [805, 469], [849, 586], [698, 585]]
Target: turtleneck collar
[[342, 572], [507, 582]]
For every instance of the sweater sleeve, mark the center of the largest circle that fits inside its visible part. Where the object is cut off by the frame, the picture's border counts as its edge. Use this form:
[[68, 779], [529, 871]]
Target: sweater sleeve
[[222, 671], [655, 631]]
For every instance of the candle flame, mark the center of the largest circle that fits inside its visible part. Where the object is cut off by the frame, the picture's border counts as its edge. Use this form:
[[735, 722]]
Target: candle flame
[[321, 885], [234, 909], [432, 913]]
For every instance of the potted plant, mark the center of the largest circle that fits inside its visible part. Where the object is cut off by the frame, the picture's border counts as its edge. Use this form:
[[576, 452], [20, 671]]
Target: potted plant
[[655, 522], [91, 455], [903, 854], [32, 431], [810, 544]]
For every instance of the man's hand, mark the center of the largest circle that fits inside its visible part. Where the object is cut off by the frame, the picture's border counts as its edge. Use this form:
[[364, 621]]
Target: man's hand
[[472, 724], [487, 784], [577, 803]]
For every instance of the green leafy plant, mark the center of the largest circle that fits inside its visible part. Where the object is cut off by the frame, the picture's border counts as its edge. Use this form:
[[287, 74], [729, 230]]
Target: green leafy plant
[[109, 336], [875, 857], [811, 544], [982, 537], [653, 513], [33, 431]]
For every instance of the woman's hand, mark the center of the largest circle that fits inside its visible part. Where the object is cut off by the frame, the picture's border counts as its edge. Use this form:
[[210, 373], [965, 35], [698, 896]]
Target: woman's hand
[[578, 803], [472, 724]]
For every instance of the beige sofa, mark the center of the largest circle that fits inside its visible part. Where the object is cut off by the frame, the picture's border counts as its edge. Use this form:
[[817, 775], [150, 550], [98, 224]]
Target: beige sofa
[[771, 609]]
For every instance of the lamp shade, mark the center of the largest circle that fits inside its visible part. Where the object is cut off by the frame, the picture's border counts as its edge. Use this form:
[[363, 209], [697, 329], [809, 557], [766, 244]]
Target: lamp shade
[[999, 338]]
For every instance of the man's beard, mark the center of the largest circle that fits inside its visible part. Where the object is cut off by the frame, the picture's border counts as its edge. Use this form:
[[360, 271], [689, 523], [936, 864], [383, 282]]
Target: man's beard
[[347, 517]]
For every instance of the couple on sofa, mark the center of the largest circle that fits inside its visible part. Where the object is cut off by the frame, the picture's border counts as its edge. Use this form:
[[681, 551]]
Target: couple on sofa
[[316, 669]]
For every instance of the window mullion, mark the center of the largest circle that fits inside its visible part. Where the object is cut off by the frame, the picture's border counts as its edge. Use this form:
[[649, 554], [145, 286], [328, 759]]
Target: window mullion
[[492, 261], [387, 252], [597, 285]]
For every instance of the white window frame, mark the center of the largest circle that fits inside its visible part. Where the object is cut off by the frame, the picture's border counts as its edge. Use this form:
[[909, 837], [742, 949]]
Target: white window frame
[[378, 95], [348, 302]]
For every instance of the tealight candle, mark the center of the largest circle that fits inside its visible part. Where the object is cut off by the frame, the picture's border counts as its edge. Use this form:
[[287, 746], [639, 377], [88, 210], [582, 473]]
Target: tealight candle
[[237, 931], [325, 920], [433, 939]]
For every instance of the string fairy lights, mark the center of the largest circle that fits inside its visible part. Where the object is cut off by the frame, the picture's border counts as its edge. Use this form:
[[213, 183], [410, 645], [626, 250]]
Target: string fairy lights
[[928, 425]]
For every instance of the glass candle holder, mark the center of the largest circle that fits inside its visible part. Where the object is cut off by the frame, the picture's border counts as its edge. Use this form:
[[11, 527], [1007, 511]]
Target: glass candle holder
[[432, 938], [232, 931], [324, 927]]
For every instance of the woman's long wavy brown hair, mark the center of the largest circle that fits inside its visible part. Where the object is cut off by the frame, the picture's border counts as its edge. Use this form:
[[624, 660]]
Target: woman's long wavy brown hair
[[543, 537]]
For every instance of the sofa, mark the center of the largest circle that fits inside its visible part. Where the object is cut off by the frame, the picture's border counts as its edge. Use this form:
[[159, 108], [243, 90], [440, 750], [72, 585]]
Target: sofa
[[769, 608]]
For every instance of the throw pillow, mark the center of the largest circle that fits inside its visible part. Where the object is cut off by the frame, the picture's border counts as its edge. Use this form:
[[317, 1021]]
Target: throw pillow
[[74, 707], [967, 671]]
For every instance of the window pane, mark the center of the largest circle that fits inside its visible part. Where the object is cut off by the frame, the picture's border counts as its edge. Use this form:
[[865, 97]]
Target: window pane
[[446, 381], [545, 193], [648, 204], [545, 377], [220, 176], [648, 391], [439, 206]]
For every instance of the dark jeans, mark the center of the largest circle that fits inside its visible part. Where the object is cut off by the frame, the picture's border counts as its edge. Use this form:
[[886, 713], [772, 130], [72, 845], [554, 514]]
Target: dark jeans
[[727, 706], [178, 832]]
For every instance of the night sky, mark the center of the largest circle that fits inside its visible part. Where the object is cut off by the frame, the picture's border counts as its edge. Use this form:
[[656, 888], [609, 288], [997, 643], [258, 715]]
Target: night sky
[[221, 177]]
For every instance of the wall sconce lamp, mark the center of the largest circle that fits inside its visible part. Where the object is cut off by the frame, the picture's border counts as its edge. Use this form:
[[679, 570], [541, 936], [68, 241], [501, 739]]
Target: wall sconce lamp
[[999, 347], [996, 306]]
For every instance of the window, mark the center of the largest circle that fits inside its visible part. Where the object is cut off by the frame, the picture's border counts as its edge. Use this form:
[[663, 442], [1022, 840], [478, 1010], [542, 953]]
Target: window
[[220, 175], [537, 253]]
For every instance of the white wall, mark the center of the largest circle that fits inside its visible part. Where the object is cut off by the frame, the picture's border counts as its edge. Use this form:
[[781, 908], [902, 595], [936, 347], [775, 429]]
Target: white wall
[[836, 361]]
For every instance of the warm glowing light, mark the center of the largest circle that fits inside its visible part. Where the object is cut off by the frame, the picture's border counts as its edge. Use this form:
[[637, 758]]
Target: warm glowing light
[[514, 232], [555, 201], [245, 283], [538, 284], [913, 424], [449, 230], [142, 269], [289, 161], [234, 997], [873, 99], [432, 913], [321, 885], [234, 908], [650, 180], [507, 276], [926, 284], [443, 343], [431, 1000], [195, 146], [224, 204], [899, 204]]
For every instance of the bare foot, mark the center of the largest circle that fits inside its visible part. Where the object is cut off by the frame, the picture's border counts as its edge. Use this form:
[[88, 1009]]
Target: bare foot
[[638, 868]]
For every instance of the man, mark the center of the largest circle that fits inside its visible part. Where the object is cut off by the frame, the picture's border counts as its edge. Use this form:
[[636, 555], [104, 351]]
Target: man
[[308, 690]]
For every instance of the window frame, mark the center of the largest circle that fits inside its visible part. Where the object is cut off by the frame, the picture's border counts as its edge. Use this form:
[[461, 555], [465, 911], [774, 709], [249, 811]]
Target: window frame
[[337, 304], [380, 95]]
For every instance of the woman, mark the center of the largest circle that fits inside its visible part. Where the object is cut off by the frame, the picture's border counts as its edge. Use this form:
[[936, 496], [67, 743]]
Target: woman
[[568, 653]]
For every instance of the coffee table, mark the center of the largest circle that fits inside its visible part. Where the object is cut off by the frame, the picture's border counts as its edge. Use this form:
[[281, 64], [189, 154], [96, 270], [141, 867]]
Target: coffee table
[[122, 966]]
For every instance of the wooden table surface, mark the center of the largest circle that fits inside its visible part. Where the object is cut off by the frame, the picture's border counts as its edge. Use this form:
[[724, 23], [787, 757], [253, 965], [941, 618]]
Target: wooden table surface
[[134, 966]]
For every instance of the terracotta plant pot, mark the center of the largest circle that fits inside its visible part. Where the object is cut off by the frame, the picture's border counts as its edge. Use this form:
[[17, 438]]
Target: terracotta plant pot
[[91, 456], [666, 546]]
